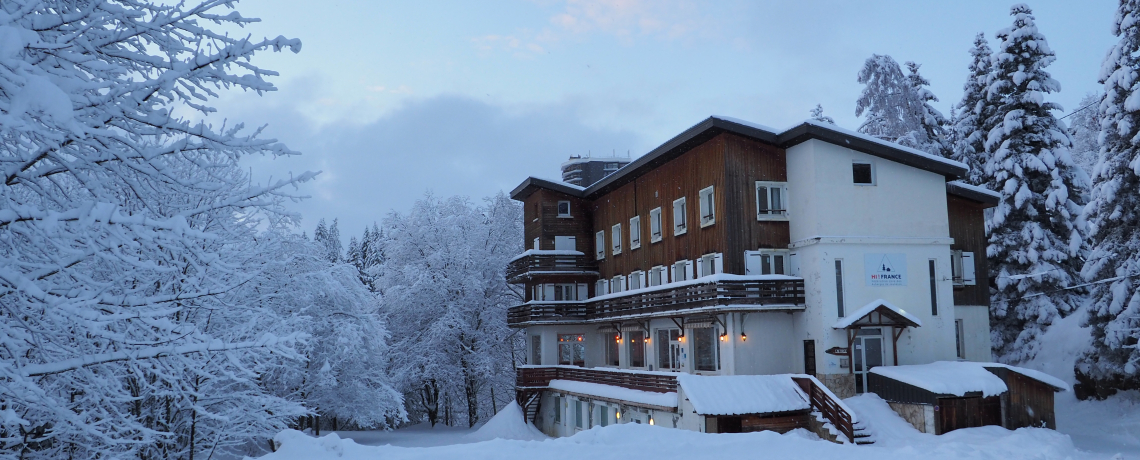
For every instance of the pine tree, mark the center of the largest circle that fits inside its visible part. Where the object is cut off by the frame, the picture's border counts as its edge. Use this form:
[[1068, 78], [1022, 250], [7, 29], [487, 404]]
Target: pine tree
[[329, 237], [1034, 237], [897, 106], [1084, 128], [1113, 216], [969, 130], [817, 115]]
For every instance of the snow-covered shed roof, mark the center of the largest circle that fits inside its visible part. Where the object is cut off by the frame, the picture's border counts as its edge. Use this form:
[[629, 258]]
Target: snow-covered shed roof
[[742, 394], [714, 125], [883, 307], [960, 377], [617, 393]]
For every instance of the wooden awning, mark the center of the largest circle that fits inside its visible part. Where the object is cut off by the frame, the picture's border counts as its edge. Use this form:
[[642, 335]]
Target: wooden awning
[[876, 314]]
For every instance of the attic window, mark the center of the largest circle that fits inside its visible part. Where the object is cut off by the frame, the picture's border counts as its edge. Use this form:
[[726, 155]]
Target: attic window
[[863, 173]]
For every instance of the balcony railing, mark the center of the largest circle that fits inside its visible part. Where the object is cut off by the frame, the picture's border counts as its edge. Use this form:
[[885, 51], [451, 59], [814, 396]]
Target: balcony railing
[[536, 262], [540, 377], [714, 291]]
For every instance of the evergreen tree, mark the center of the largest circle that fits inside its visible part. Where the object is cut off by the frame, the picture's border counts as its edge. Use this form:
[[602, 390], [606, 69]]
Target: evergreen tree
[[1034, 237], [969, 130], [897, 106], [817, 115], [1113, 216], [1084, 128], [329, 237]]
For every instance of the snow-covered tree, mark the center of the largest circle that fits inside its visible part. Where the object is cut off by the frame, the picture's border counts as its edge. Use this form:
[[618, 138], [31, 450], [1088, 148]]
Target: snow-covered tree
[[969, 130], [897, 106], [1113, 216], [445, 297], [329, 238], [1035, 240], [817, 115], [1084, 128]]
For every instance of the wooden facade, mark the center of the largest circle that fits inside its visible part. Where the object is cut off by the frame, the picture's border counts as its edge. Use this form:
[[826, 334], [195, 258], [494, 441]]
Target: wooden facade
[[968, 229], [781, 422]]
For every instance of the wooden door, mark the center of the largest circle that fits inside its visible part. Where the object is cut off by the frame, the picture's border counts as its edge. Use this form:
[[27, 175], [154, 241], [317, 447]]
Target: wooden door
[[955, 413]]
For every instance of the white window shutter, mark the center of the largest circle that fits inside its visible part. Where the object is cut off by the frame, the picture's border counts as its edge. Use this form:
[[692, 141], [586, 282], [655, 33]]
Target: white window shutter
[[718, 263], [548, 291], [583, 291], [968, 274], [689, 269], [794, 264], [700, 269]]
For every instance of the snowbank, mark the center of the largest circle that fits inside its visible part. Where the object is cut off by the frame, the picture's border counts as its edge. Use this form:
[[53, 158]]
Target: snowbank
[[742, 394], [946, 377], [507, 424], [626, 441], [614, 392]]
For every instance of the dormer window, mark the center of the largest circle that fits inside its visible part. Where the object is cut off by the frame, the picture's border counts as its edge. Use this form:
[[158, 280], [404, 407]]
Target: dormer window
[[564, 209], [680, 217]]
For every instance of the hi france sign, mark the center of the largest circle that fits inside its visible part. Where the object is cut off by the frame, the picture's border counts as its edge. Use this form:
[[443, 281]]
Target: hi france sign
[[885, 269]]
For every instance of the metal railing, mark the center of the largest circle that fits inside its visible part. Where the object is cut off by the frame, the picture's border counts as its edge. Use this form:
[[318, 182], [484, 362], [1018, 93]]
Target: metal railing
[[688, 296]]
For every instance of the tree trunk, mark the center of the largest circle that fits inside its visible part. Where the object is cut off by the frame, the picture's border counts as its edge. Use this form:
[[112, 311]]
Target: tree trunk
[[429, 398]]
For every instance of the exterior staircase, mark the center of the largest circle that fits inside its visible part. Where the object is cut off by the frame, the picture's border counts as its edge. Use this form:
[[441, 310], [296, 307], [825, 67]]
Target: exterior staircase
[[863, 436], [531, 406]]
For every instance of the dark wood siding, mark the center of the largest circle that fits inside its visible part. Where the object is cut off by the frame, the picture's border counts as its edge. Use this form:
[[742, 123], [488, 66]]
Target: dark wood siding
[[780, 423], [745, 162], [1028, 403], [540, 216], [969, 412], [895, 391], [968, 228], [684, 176]]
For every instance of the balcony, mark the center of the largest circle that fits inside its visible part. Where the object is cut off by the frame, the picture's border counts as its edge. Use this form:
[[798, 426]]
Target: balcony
[[534, 377], [544, 262], [711, 294]]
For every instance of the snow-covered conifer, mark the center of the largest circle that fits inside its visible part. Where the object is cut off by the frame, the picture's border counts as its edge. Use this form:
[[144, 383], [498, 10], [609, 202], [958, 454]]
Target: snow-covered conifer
[[897, 106], [1084, 128], [817, 115], [1113, 216], [969, 131], [1035, 239]]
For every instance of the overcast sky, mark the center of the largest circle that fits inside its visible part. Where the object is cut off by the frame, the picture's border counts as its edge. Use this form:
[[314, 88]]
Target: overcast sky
[[392, 99]]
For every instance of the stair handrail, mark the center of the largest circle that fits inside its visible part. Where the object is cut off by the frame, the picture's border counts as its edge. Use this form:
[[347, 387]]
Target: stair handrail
[[830, 408]]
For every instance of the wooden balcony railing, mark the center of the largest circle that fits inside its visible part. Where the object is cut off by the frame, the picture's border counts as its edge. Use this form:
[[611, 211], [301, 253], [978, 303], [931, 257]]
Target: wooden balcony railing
[[536, 262], [715, 292], [540, 376], [829, 407]]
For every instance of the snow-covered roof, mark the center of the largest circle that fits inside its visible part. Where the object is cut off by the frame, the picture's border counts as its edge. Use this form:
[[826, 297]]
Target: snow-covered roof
[[973, 192], [1037, 375], [946, 377], [742, 394], [648, 398], [856, 315], [546, 252], [795, 135]]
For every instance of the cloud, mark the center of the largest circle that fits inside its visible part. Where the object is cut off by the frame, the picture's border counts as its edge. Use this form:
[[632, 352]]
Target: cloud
[[625, 18], [450, 145]]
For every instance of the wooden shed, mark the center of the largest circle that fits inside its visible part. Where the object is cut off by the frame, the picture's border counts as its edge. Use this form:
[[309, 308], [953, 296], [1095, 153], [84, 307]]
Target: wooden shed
[[944, 396]]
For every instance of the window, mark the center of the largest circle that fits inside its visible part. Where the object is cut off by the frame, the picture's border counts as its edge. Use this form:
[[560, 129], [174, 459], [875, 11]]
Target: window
[[636, 280], [635, 232], [959, 334], [962, 268], [682, 271], [708, 207], [657, 276], [616, 234], [565, 292], [613, 342], [571, 350], [669, 349], [709, 264], [563, 209], [655, 225], [680, 219], [863, 173], [839, 286], [603, 415], [636, 348], [705, 348], [771, 200], [933, 288], [600, 244], [612, 167], [617, 284], [536, 350], [601, 287], [578, 413], [768, 262]]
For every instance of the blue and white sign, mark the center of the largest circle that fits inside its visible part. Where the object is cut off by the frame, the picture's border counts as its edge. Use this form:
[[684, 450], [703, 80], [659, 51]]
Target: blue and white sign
[[885, 269]]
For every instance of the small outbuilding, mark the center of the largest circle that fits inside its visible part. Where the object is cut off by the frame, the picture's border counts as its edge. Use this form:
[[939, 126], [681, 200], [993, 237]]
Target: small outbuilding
[[947, 395]]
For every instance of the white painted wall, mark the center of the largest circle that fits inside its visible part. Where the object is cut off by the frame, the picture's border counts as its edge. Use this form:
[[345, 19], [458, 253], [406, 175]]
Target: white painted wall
[[976, 324], [768, 349], [833, 218]]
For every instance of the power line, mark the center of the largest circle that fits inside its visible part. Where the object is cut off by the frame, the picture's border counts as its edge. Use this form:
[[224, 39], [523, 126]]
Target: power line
[[1078, 110], [1091, 283]]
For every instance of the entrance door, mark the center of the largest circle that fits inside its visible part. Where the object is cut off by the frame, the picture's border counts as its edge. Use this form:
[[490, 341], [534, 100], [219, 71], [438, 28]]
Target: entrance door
[[868, 354], [669, 350]]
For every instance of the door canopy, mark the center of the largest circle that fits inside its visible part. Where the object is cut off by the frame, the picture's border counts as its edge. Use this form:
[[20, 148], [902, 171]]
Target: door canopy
[[877, 314]]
